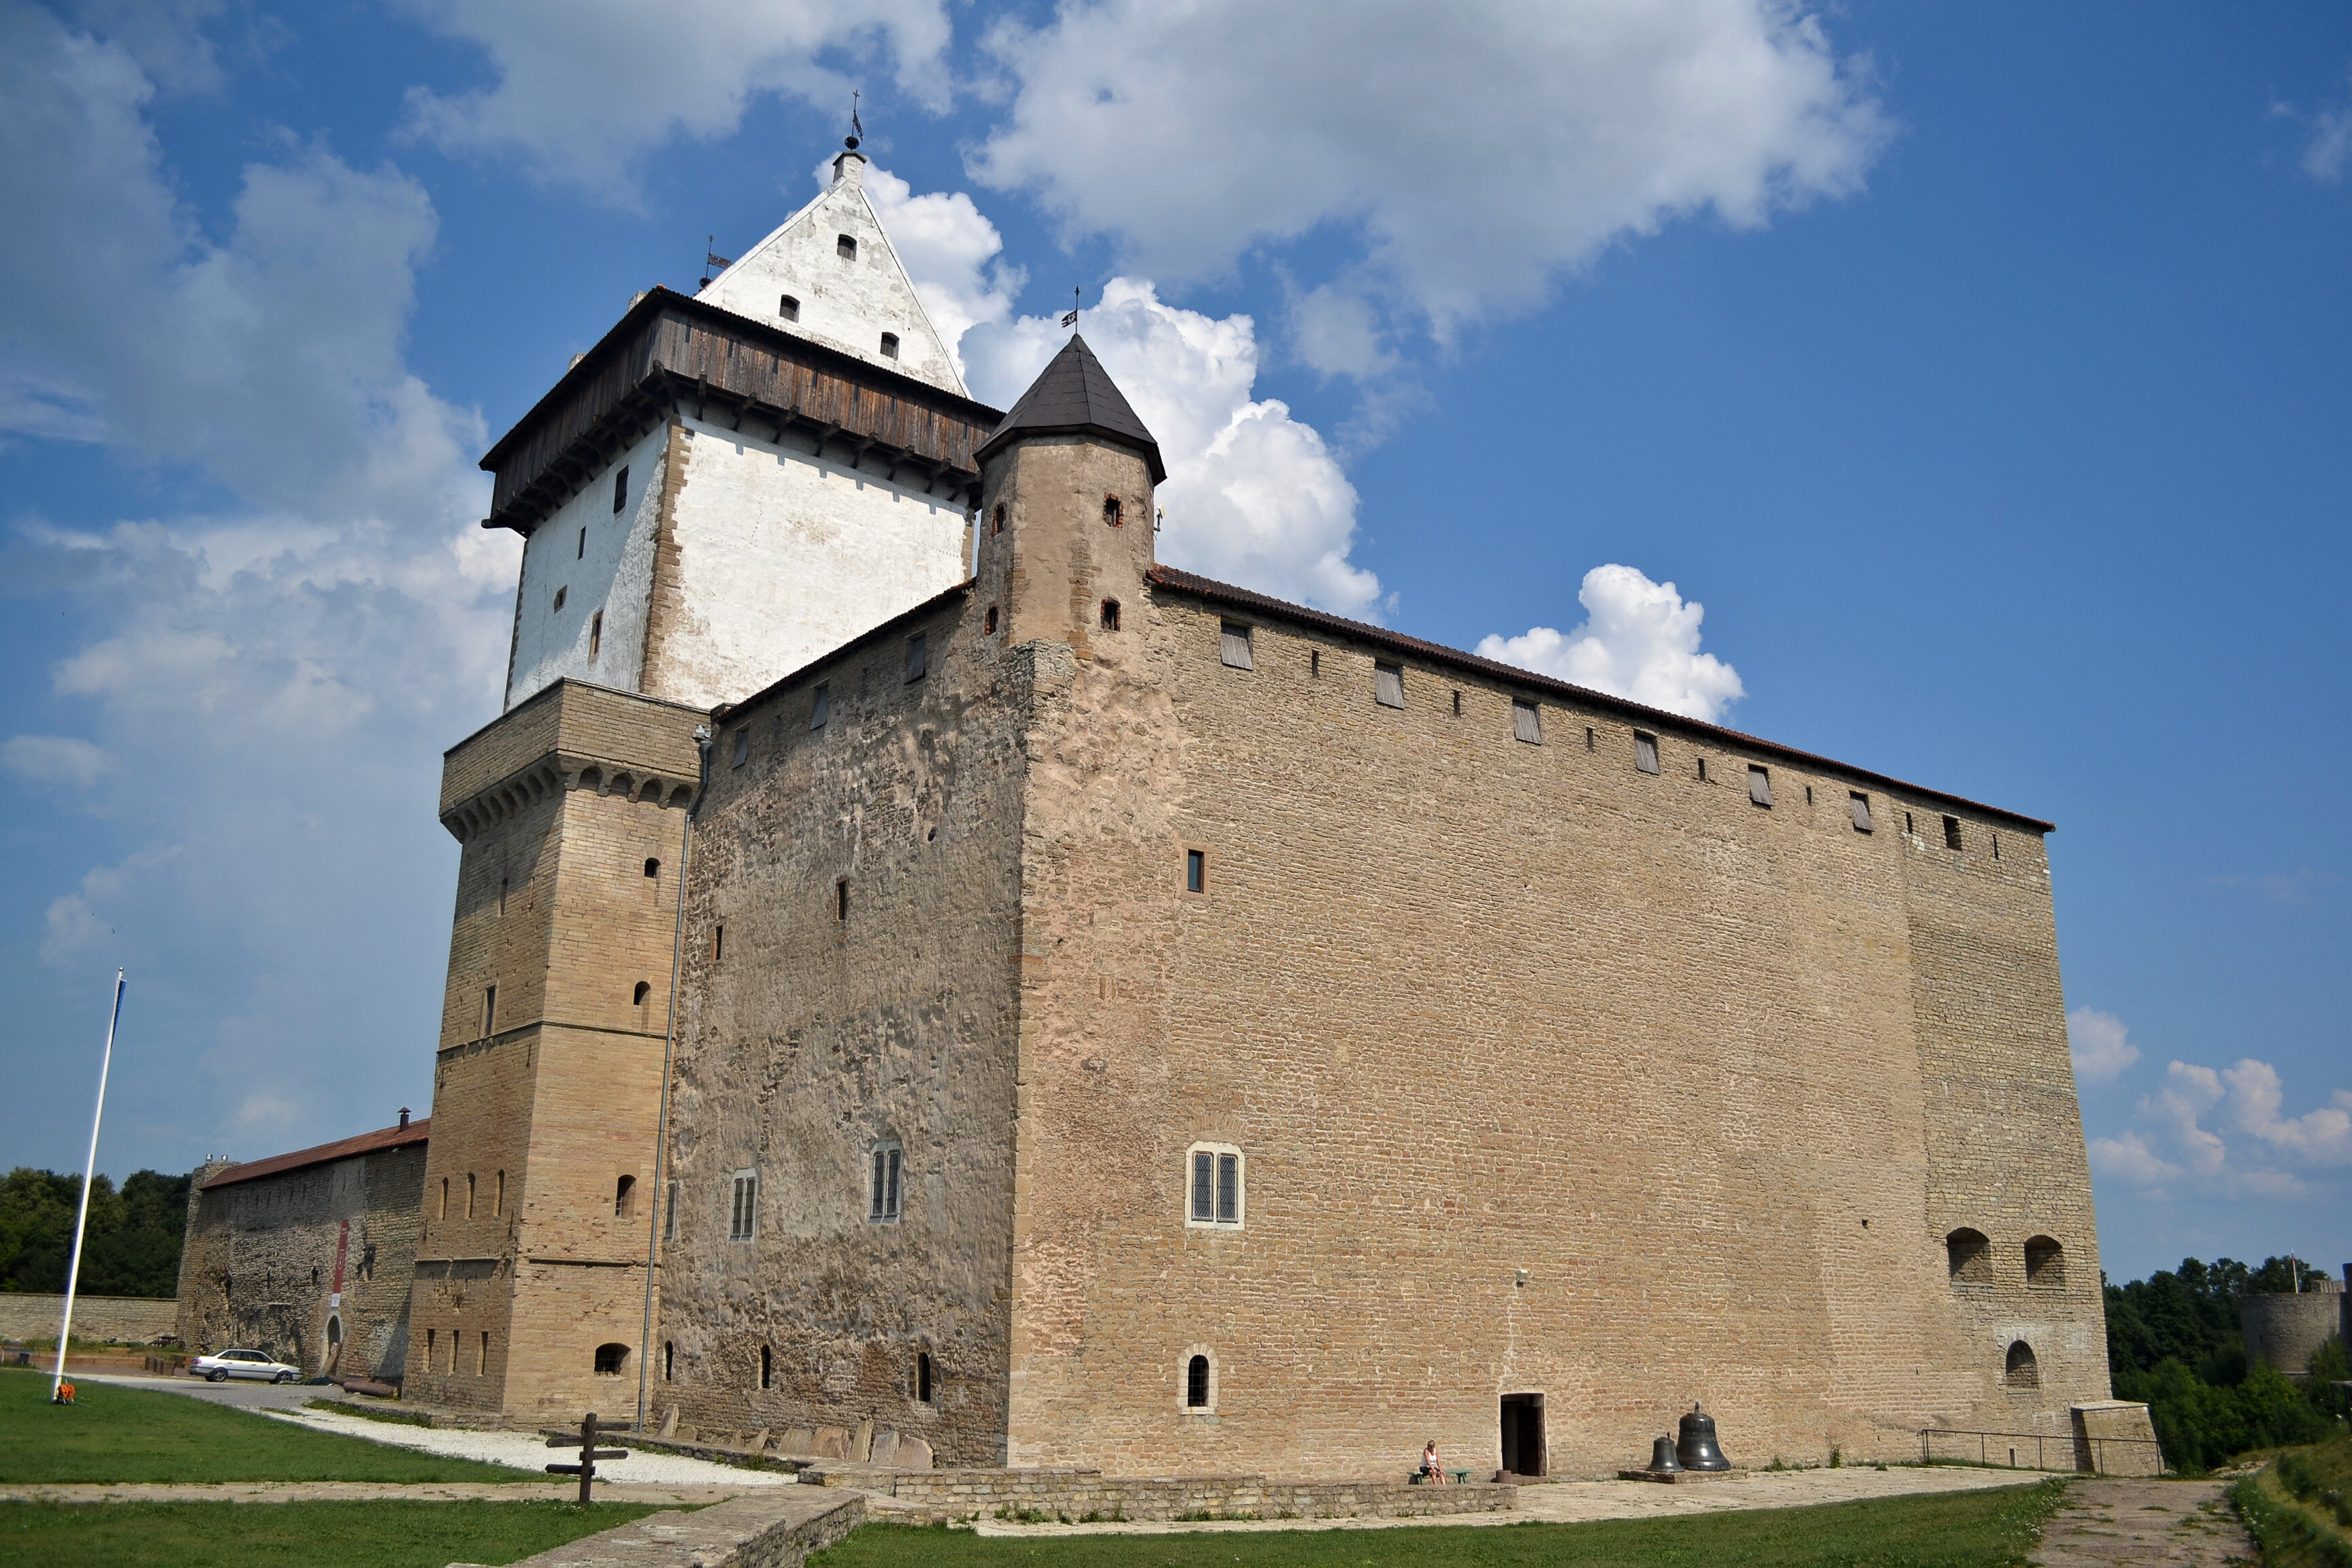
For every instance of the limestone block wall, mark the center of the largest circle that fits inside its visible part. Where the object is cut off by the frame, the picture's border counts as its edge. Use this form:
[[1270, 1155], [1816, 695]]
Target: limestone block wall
[[852, 933], [258, 1272], [130, 1320], [538, 1198], [1468, 1006]]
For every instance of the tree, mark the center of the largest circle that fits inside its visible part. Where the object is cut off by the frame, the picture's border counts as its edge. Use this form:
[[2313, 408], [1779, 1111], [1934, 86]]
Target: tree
[[131, 1246]]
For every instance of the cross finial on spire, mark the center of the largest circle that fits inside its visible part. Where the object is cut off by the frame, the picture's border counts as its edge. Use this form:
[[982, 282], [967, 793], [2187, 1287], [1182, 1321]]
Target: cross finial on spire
[[1071, 319], [857, 130]]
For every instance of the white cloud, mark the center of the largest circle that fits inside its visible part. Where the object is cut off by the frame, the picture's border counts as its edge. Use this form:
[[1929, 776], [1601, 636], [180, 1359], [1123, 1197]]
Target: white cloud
[[586, 88], [2130, 1159], [1479, 148], [2100, 1045], [53, 759], [2323, 1136], [274, 667], [952, 253], [2330, 147], [2226, 1132], [2300, 886], [1639, 640], [1253, 497]]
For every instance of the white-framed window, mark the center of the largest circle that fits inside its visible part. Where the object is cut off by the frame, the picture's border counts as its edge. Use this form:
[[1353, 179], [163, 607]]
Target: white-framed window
[[1215, 1179], [743, 1216], [883, 1194]]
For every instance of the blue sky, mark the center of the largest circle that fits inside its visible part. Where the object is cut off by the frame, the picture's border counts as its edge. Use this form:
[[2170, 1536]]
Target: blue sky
[[1981, 371]]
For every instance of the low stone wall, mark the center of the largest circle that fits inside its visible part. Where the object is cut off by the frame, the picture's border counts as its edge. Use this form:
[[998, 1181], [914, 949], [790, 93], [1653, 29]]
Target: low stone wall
[[938, 1497], [776, 1527], [133, 1318]]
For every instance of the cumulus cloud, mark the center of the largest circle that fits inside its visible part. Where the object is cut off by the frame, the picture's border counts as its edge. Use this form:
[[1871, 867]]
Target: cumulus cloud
[[1639, 640], [271, 671], [1475, 149], [53, 759], [584, 88], [953, 254], [1254, 496], [2128, 1158], [2100, 1045], [2225, 1131]]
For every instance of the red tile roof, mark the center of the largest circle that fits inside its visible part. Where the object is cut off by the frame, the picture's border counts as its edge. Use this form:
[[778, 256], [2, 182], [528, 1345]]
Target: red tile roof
[[415, 1132]]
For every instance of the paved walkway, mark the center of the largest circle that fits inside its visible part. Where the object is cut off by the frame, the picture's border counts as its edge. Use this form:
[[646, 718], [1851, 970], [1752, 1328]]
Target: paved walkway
[[1570, 1502], [519, 1450], [2145, 1520]]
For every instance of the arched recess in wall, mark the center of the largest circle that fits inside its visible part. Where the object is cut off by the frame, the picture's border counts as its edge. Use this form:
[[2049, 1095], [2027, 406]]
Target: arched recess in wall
[[1970, 1254], [2022, 1371], [612, 1360], [2045, 1262], [1197, 1381]]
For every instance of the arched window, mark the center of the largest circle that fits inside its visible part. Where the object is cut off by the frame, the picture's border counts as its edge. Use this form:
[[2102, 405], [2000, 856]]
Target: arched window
[[1969, 1255], [612, 1360], [845, 246], [644, 989], [2045, 1262], [923, 1376], [766, 1367], [670, 1359], [1197, 1388], [1110, 615], [2023, 1372], [789, 309], [624, 1197], [890, 345], [334, 1334], [653, 867]]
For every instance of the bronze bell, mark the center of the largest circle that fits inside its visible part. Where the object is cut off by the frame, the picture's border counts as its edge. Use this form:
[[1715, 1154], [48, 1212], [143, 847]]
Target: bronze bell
[[1661, 1457], [1697, 1447]]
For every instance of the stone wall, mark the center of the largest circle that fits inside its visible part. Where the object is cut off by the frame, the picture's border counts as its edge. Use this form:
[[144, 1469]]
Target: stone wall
[[1072, 1495], [259, 1269], [130, 1320], [852, 937]]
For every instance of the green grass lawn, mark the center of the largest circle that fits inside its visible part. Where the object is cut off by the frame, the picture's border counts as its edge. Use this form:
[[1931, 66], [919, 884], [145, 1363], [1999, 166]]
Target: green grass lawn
[[1952, 1529], [2299, 1506], [117, 1434], [268, 1534]]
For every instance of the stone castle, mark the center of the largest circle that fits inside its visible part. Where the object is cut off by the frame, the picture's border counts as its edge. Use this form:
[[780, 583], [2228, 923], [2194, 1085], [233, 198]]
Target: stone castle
[[919, 962]]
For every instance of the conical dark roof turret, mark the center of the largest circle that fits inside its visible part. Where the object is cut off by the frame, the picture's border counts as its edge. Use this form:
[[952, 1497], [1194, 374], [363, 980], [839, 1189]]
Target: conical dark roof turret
[[1073, 394]]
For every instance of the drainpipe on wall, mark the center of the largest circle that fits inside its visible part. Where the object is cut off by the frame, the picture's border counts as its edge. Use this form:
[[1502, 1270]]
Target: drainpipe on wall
[[670, 1047]]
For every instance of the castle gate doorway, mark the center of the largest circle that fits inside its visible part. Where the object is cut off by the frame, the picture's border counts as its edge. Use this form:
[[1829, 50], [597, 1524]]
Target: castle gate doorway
[[1522, 1434]]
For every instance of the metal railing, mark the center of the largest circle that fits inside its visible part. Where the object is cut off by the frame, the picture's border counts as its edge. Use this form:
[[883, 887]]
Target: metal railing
[[2080, 1454]]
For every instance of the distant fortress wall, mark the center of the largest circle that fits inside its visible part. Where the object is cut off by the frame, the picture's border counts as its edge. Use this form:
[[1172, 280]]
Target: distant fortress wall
[[2285, 1330], [136, 1319]]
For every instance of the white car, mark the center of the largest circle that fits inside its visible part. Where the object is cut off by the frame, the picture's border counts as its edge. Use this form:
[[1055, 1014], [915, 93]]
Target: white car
[[226, 1365]]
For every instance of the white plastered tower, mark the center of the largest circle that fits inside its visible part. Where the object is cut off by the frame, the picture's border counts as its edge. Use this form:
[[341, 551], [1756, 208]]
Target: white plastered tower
[[767, 469]]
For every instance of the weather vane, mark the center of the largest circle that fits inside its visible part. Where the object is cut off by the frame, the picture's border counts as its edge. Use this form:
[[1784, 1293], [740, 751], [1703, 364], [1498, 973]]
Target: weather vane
[[1071, 319], [857, 130]]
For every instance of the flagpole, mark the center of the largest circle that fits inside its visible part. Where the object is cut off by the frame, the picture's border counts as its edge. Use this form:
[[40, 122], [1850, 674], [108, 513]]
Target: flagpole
[[88, 1177]]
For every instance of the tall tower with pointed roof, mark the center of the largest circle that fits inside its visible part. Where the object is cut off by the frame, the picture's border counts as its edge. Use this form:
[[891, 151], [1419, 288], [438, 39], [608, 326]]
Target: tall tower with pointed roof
[[725, 486]]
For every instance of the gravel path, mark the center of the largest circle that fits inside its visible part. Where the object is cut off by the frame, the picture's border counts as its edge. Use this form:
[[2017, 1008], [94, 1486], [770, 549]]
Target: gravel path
[[526, 1451], [2145, 1520]]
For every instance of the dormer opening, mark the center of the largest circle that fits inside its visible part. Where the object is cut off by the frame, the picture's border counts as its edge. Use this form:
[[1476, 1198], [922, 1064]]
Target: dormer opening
[[789, 309], [890, 345], [846, 247]]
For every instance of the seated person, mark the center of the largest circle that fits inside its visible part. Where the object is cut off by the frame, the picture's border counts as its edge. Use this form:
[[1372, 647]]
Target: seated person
[[1430, 1465]]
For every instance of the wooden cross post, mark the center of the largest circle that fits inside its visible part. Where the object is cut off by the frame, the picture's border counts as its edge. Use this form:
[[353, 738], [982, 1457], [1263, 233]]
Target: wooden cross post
[[589, 1454]]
